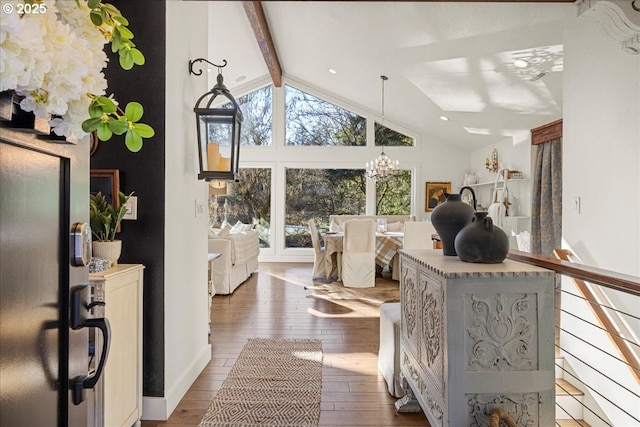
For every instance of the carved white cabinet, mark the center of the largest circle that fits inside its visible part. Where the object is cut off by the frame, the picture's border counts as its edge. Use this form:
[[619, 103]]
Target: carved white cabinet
[[477, 337], [122, 376]]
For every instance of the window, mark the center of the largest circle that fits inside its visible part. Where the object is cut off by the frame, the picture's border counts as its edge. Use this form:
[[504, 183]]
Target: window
[[318, 193], [247, 201], [393, 197], [257, 111], [390, 138], [311, 121]]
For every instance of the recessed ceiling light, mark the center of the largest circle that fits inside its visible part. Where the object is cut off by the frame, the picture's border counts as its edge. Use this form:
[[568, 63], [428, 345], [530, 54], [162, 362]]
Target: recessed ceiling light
[[332, 71], [444, 118], [521, 63]]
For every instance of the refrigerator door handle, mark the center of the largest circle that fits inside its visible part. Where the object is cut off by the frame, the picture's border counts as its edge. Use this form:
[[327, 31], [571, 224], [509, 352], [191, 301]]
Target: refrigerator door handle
[[82, 382]]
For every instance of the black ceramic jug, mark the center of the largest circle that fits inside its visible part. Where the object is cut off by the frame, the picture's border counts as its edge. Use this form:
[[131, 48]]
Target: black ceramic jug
[[481, 241], [451, 217]]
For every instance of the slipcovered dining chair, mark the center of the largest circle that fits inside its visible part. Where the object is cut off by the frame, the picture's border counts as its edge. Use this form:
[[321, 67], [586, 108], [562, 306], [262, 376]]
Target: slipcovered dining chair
[[359, 254], [417, 235], [318, 252]]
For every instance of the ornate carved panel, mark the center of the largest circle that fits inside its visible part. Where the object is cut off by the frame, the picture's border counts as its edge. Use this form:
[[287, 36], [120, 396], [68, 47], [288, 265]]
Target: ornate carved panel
[[522, 407], [501, 332], [409, 306], [619, 20], [432, 351]]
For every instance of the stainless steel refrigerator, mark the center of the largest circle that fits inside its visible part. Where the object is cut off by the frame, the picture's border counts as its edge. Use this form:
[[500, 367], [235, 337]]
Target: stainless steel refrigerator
[[45, 307]]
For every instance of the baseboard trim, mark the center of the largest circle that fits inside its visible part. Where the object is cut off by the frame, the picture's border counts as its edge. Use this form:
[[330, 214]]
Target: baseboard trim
[[160, 408]]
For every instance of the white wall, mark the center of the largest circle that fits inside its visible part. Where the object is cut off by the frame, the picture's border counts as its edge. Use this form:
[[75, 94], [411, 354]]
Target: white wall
[[601, 148], [187, 350], [601, 165]]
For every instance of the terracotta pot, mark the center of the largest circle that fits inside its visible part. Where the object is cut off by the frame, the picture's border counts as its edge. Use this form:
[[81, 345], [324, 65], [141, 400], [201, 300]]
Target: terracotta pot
[[109, 250]]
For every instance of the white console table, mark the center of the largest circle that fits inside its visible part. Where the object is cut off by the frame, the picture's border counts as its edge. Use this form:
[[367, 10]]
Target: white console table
[[477, 337]]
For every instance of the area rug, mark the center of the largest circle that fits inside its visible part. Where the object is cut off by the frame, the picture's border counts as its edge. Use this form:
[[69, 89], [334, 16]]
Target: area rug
[[385, 290], [274, 382]]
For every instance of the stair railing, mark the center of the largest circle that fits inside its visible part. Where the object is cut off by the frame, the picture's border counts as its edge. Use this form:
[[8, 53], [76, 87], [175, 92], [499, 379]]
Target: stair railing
[[589, 282]]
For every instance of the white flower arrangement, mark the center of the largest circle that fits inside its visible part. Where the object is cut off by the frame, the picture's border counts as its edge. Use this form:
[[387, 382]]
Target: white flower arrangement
[[54, 59]]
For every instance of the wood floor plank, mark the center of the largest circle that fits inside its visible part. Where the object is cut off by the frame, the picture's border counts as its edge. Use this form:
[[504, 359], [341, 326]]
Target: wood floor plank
[[274, 303]]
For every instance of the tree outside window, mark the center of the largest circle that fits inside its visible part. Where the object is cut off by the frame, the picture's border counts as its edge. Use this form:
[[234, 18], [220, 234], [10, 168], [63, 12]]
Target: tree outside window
[[393, 196], [311, 121], [247, 201], [318, 193], [257, 108]]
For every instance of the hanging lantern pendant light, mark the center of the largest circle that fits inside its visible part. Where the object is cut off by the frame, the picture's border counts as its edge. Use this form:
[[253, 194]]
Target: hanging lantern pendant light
[[218, 131], [382, 167]]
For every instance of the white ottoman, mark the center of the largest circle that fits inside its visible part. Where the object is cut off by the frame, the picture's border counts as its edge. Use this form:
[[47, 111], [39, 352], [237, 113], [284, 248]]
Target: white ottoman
[[389, 353]]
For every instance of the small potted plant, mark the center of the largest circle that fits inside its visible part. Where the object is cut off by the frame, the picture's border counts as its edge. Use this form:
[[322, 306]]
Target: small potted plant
[[105, 222]]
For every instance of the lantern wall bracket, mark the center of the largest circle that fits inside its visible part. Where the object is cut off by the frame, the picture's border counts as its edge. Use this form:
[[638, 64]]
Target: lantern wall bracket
[[199, 71]]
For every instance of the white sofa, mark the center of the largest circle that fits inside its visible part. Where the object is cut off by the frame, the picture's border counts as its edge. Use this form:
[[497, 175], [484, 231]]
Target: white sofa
[[238, 260]]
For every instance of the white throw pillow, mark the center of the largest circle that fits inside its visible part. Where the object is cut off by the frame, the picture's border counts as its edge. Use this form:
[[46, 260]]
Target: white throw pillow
[[237, 228], [394, 226], [335, 228], [225, 230]]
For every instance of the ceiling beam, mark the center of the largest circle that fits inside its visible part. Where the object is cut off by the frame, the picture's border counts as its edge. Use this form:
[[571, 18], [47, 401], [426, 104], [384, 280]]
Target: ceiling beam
[[258, 21]]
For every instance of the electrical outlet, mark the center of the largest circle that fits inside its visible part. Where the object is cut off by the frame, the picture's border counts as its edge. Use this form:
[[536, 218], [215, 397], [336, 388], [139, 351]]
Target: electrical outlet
[[199, 208]]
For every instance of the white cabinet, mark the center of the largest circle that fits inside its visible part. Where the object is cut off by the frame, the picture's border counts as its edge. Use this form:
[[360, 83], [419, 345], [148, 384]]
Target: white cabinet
[[122, 376], [477, 337]]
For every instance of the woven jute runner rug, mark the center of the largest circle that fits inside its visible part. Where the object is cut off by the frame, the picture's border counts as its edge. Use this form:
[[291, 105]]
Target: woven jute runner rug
[[274, 382]]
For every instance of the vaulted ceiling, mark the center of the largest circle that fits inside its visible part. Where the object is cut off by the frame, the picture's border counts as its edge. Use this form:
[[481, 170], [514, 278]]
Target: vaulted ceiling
[[453, 59]]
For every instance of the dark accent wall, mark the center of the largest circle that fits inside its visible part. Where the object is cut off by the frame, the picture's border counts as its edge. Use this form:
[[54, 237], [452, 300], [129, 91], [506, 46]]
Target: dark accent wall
[[143, 172]]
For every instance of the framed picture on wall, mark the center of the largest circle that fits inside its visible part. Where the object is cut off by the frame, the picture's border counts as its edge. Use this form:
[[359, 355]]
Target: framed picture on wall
[[107, 182], [434, 194]]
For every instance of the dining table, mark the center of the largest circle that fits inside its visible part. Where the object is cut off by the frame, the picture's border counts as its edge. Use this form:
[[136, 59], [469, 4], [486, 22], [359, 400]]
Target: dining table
[[387, 246]]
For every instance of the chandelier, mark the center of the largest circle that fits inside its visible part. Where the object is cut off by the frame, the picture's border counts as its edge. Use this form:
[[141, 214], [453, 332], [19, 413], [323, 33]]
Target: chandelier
[[382, 167]]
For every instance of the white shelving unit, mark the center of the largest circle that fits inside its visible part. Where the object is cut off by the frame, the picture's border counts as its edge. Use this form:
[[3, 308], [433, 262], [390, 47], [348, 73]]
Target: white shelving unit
[[519, 218], [482, 184]]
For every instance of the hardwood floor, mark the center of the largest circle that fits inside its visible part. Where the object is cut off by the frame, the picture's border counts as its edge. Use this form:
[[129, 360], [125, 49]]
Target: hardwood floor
[[274, 304]]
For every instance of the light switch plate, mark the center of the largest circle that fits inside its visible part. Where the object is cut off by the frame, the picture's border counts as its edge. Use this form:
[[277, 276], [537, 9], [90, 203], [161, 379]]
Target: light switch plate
[[575, 204], [199, 208], [132, 208]]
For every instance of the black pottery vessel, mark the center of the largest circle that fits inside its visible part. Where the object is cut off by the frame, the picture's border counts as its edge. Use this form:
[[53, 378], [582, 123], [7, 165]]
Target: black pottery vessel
[[481, 241], [451, 217]]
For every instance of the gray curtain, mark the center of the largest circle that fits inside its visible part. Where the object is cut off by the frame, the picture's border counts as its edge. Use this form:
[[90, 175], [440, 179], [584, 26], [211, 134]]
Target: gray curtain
[[546, 204]]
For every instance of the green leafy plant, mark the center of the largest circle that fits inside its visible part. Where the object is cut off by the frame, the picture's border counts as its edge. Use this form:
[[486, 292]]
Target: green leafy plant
[[104, 218], [105, 117]]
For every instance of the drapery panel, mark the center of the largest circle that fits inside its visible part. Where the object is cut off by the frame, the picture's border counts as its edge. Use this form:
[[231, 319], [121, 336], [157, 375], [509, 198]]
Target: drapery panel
[[546, 206]]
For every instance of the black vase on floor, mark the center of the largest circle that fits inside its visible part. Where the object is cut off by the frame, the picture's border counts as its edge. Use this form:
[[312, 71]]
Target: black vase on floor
[[451, 217], [481, 241]]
